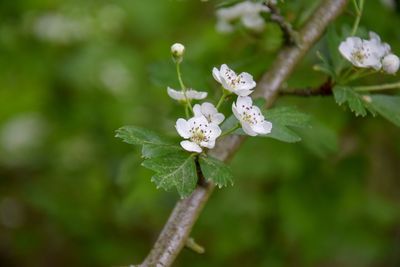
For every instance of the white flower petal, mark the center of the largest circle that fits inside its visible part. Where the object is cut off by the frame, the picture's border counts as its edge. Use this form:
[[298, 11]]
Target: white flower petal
[[217, 118], [243, 102], [247, 129], [174, 94], [391, 63], [216, 74], [224, 26], [243, 92], [235, 111], [214, 131], [182, 127], [208, 108], [264, 127], [197, 110], [246, 81], [254, 22], [210, 144], [193, 94], [191, 146]]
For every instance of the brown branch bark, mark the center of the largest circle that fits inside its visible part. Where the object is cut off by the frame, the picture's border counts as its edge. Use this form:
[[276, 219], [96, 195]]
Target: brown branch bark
[[179, 225], [290, 36], [324, 89]]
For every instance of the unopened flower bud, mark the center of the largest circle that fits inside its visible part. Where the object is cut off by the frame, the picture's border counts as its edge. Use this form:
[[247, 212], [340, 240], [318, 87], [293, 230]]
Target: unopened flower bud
[[391, 63], [177, 51]]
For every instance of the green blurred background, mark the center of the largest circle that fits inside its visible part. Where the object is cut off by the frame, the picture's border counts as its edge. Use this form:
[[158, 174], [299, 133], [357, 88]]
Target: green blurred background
[[71, 72]]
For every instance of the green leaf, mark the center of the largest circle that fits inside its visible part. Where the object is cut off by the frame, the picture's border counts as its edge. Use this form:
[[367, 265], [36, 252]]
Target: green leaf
[[320, 140], [334, 40], [283, 120], [387, 106], [150, 150], [174, 170], [355, 102], [138, 136], [325, 66], [216, 171]]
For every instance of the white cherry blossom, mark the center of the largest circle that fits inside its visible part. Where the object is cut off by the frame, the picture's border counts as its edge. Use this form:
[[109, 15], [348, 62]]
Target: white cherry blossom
[[382, 49], [247, 12], [198, 132], [390, 64], [241, 84], [189, 94], [209, 111], [362, 53], [250, 117]]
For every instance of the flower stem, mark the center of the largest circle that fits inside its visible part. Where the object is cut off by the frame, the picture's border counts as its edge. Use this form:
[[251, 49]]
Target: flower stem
[[178, 72], [234, 128], [188, 105], [359, 10], [221, 100], [377, 87], [346, 75], [187, 111]]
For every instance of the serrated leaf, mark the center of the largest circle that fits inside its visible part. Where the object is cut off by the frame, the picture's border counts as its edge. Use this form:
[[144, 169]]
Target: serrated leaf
[[283, 119], [175, 170], [138, 136], [334, 40], [325, 66], [284, 122], [387, 106], [216, 171], [151, 150], [345, 94], [320, 140]]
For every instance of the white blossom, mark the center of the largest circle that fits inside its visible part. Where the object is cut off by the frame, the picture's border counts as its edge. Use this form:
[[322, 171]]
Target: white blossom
[[209, 111], [382, 49], [362, 53], [247, 12], [241, 84], [198, 132], [187, 95], [250, 117], [390, 64]]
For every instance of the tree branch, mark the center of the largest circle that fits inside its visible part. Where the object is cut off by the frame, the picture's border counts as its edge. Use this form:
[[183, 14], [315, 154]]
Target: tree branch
[[179, 225], [324, 89], [290, 36]]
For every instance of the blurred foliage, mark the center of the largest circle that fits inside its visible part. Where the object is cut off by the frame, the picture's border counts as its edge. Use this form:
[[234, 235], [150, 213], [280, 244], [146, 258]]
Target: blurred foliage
[[71, 72]]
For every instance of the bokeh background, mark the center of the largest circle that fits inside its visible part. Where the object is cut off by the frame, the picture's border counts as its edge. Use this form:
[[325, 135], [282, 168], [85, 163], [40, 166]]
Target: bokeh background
[[72, 72]]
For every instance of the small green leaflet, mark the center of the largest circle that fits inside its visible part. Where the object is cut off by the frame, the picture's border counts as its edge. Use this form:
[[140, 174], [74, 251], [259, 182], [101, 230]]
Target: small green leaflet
[[387, 106], [150, 150], [284, 119], [173, 166], [216, 171], [138, 136], [284, 122], [175, 170], [345, 94], [325, 66]]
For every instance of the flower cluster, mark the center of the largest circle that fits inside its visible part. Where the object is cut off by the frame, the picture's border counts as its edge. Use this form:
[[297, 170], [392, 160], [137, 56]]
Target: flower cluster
[[247, 12], [371, 53], [203, 128]]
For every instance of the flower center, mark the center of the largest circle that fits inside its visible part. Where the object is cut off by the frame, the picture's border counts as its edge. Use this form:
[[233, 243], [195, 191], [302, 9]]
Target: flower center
[[358, 55], [198, 135], [248, 118], [251, 116]]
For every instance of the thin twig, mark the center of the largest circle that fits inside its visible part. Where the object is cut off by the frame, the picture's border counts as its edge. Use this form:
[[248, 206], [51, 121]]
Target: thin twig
[[324, 89], [179, 225], [290, 35]]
